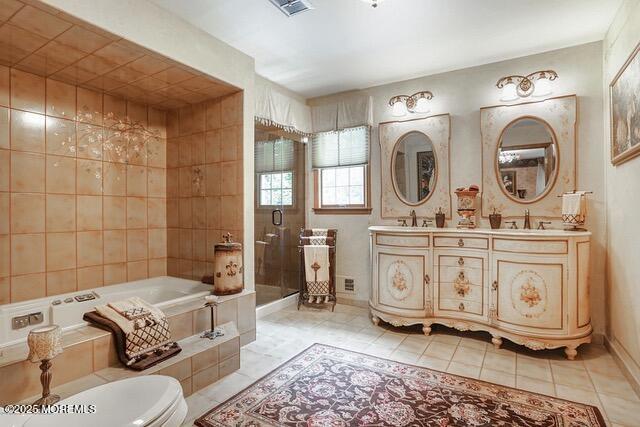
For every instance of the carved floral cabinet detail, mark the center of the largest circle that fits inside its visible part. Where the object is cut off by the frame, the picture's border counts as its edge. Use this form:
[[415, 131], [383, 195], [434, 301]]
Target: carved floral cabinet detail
[[528, 287]]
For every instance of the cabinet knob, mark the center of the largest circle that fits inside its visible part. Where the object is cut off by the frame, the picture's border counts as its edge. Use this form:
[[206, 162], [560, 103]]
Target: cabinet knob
[[461, 260], [427, 279], [461, 275], [460, 242], [494, 285], [461, 307]]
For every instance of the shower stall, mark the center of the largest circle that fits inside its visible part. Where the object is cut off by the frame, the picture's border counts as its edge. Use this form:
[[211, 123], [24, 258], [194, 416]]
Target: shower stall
[[279, 211]]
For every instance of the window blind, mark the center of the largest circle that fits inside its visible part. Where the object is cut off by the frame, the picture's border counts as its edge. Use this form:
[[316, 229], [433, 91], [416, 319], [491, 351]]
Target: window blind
[[272, 156], [347, 147]]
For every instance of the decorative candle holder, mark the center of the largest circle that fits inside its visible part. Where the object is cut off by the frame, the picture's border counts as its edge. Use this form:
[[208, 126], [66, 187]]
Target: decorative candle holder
[[495, 219], [45, 343], [440, 218], [211, 301]]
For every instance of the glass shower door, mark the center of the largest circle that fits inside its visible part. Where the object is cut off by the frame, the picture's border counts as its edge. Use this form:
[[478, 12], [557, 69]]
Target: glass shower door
[[279, 212]]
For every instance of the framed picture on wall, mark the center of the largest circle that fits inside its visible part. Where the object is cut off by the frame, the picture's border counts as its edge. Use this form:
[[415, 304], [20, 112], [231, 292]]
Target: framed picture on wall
[[426, 167], [509, 181], [624, 98]]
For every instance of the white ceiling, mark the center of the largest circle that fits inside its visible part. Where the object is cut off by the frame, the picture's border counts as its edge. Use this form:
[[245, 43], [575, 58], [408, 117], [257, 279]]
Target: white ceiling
[[347, 44]]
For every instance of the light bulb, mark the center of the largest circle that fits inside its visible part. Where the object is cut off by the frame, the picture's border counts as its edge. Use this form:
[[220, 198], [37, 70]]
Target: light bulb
[[509, 92], [422, 105], [543, 87], [399, 109]]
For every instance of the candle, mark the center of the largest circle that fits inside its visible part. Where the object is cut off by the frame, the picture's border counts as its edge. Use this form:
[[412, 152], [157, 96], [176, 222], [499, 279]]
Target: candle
[[211, 299]]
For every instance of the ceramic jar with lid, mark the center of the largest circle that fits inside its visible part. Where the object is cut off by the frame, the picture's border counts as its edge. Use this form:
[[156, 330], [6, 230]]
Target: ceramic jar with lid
[[227, 267]]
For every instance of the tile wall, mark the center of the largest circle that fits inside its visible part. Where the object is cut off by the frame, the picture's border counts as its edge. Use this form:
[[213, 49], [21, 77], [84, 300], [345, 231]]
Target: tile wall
[[204, 182], [82, 204]]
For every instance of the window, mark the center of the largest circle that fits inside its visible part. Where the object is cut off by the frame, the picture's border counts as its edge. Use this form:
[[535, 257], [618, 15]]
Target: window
[[340, 161], [276, 189]]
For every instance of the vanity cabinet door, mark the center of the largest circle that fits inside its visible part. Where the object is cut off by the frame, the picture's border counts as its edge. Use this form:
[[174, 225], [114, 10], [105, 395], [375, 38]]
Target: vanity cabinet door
[[529, 293], [403, 279]]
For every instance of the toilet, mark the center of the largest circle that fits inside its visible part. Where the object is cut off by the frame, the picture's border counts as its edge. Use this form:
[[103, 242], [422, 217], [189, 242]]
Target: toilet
[[145, 401]]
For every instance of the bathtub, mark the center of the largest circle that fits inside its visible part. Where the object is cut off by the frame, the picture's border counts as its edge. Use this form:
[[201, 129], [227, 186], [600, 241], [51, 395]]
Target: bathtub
[[66, 310]]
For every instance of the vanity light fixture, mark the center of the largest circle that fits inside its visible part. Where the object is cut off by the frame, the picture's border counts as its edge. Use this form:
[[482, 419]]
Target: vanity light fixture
[[535, 84], [416, 103]]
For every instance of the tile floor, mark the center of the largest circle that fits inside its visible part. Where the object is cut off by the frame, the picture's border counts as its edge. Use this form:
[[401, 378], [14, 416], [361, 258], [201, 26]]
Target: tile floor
[[592, 378]]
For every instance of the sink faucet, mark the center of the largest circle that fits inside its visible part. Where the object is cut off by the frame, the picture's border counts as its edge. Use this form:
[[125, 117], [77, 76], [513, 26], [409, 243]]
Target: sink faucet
[[514, 225], [527, 220], [414, 219]]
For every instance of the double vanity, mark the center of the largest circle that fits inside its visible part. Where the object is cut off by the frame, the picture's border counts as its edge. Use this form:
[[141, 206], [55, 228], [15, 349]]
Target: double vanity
[[528, 286]]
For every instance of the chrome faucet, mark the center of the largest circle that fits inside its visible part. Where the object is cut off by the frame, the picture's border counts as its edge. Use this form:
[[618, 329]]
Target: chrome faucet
[[414, 219], [527, 220]]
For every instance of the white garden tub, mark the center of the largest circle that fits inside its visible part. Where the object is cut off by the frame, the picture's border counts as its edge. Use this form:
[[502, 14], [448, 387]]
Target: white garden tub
[[65, 310]]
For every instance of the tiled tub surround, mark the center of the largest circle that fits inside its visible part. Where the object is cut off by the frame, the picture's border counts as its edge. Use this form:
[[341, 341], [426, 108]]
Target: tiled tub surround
[[204, 183], [89, 351], [77, 209]]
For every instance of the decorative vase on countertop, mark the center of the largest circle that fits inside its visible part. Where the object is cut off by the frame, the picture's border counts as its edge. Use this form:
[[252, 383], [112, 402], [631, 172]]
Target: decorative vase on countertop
[[440, 218], [495, 219], [227, 267], [467, 198]]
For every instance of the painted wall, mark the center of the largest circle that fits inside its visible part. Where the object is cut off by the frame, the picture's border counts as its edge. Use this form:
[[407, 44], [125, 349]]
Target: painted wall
[[148, 25], [622, 185], [462, 93]]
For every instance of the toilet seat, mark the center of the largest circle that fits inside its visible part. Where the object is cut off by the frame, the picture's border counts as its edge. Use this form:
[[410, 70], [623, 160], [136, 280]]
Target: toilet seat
[[145, 401]]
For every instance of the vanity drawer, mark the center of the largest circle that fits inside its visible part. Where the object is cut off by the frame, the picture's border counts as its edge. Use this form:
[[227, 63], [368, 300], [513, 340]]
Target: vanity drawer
[[448, 291], [399, 240], [475, 276], [523, 246], [461, 242], [461, 261], [458, 306]]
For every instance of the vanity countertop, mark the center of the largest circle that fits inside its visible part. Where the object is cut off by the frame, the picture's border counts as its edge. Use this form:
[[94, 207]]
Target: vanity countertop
[[485, 231]]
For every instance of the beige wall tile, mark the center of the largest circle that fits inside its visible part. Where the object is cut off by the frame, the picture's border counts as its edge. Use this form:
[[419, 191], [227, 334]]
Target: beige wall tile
[[90, 277], [214, 115], [27, 91], [40, 22], [4, 128], [231, 139], [115, 179], [137, 270], [27, 172], [228, 366], [61, 99], [75, 362], [115, 216], [204, 378], [5, 161], [137, 245], [89, 212], [136, 180], [27, 287], [204, 360], [227, 312], [5, 290], [157, 267], [186, 387], [89, 177], [179, 371], [246, 313], [231, 110], [27, 213], [136, 212], [89, 106], [20, 381], [104, 353], [27, 253], [61, 251], [61, 175], [157, 213], [27, 131], [61, 213], [89, 141], [115, 273], [229, 348], [61, 282], [181, 326], [60, 137], [5, 202], [158, 243], [89, 248], [5, 84], [156, 182], [5, 255], [115, 246]]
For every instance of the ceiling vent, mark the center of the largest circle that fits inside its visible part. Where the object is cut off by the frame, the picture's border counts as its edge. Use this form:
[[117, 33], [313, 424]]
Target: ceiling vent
[[292, 7]]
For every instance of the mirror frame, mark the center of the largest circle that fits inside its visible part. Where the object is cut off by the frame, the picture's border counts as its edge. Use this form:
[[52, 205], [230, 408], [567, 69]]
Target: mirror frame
[[393, 168], [554, 177]]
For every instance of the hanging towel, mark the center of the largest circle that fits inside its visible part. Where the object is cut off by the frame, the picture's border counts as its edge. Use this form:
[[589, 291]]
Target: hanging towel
[[574, 208], [316, 260], [317, 240], [319, 232]]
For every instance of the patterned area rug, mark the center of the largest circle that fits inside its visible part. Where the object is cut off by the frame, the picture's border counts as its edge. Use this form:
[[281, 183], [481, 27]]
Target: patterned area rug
[[328, 386]]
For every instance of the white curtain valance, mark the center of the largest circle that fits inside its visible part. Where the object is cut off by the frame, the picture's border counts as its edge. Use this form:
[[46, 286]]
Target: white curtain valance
[[346, 113], [274, 107]]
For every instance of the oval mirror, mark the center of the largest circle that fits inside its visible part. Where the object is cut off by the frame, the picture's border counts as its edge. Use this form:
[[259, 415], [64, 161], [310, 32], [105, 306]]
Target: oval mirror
[[414, 167], [527, 159]]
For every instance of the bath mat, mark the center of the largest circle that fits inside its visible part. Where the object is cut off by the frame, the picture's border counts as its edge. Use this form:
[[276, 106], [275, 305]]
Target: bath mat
[[328, 386]]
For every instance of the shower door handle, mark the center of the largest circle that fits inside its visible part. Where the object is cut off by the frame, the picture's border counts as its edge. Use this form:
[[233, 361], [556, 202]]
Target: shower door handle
[[276, 214]]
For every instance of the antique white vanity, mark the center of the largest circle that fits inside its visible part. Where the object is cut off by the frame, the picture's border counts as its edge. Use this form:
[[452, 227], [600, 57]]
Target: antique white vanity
[[529, 286]]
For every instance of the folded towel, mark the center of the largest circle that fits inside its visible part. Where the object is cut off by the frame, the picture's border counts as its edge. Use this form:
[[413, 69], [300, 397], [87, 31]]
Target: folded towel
[[574, 207], [129, 310], [316, 259], [318, 240], [319, 232]]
